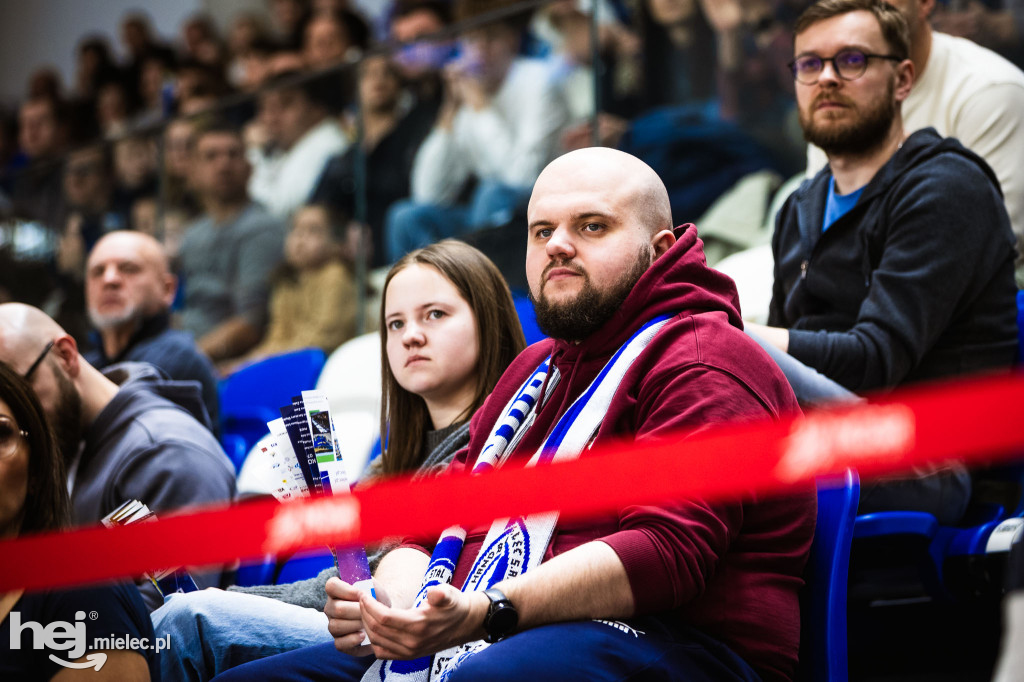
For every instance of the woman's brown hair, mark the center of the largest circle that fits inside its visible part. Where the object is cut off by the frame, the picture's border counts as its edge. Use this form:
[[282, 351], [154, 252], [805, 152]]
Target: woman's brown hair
[[501, 339], [47, 506]]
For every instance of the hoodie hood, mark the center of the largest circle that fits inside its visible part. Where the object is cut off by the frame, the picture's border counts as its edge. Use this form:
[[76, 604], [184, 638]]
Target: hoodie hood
[[142, 384], [678, 283]]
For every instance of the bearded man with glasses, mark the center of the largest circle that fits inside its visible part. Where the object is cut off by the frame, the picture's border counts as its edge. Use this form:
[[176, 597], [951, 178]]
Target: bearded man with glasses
[[894, 263], [969, 92], [124, 433]]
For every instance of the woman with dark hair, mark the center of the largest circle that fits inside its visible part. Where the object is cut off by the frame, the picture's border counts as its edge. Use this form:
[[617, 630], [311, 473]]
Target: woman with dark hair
[[449, 330], [34, 498]]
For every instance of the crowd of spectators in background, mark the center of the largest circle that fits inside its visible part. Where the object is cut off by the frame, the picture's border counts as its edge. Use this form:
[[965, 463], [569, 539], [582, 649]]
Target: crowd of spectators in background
[[406, 132], [212, 199]]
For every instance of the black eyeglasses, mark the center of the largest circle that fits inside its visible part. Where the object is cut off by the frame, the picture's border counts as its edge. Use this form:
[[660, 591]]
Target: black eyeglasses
[[39, 360], [848, 64]]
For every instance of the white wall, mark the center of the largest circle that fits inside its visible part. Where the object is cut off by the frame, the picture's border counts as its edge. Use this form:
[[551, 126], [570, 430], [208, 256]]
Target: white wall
[[34, 33]]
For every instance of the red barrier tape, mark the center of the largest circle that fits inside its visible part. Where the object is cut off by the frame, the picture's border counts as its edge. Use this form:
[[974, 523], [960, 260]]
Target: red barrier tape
[[977, 421]]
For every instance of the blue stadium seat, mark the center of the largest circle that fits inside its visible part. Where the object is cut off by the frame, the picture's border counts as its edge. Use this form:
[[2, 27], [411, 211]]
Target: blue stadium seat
[[302, 565], [946, 543], [271, 570], [824, 648], [527, 317], [256, 572], [250, 397]]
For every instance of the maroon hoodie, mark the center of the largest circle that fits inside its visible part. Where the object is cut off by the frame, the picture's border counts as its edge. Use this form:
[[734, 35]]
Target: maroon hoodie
[[731, 569]]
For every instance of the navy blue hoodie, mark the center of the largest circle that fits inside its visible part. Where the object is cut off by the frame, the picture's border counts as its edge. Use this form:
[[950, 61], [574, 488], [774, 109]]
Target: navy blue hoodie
[[915, 282]]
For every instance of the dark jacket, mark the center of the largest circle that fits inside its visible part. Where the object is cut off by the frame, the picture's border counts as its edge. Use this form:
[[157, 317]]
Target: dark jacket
[[174, 351], [729, 568], [915, 282], [151, 443]]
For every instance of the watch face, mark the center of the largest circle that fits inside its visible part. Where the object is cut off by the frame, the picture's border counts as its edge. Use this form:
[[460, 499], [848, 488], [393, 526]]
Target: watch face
[[503, 620]]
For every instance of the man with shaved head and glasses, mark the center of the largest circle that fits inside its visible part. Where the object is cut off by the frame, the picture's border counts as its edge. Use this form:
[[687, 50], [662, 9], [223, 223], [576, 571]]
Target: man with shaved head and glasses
[[125, 433], [894, 263]]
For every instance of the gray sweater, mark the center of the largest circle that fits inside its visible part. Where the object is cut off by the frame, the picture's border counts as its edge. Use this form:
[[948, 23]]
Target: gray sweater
[[442, 446]]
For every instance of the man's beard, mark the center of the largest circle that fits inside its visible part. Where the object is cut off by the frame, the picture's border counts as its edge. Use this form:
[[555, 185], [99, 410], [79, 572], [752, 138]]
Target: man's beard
[[579, 317], [67, 420], [129, 313], [861, 136]]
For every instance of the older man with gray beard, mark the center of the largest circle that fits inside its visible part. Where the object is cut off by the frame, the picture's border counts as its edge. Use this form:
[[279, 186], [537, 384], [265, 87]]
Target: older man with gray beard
[[129, 289]]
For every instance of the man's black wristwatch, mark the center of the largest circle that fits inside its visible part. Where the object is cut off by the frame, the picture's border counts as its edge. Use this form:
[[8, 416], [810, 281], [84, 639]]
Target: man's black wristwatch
[[501, 619]]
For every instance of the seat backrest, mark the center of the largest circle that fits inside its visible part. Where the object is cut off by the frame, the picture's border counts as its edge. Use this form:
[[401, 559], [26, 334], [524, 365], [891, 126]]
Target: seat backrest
[[527, 317], [251, 396], [824, 629], [351, 380], [272, 381]]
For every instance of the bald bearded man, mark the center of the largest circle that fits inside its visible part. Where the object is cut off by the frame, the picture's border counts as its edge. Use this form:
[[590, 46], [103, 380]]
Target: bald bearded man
[[129, 288], [126, 433], [680, 590]]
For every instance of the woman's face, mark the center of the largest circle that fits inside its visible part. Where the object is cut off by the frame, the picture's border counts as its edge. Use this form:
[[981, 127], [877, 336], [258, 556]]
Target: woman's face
[[432, 343], [13, 472]]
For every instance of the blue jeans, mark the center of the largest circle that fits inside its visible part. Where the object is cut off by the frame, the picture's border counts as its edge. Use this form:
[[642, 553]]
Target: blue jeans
[[644, 648], [212, 631], [410, 225]]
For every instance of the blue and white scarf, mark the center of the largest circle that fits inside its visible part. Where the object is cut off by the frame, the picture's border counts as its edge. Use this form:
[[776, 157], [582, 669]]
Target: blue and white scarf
[[513, 546]]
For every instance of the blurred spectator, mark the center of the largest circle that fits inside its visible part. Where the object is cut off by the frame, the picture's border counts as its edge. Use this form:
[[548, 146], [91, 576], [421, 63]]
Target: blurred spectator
[[301, 138], [970, 93], [45, 82], [287, 17], [228, 253], [200, 41], [126, 433], [129, 289], [391, 132], [173, 225], [416, 19], [997, 25], [679, 51], [420, 61], [196, 78], [33, 478], [565, 25], [89, 196], [12, 159], [753, 82], [313, 301], [333, 37], [156, 89], [115, 107], [38, 187], [139, 43], [252, 68], [95, 66], [247, 36], [177, 164], [145, 216], [134, 168], [499, 124]]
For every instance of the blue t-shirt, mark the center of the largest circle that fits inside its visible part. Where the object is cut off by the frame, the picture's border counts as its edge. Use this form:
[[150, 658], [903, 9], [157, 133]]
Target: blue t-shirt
[[109, 611], [837, 205]]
